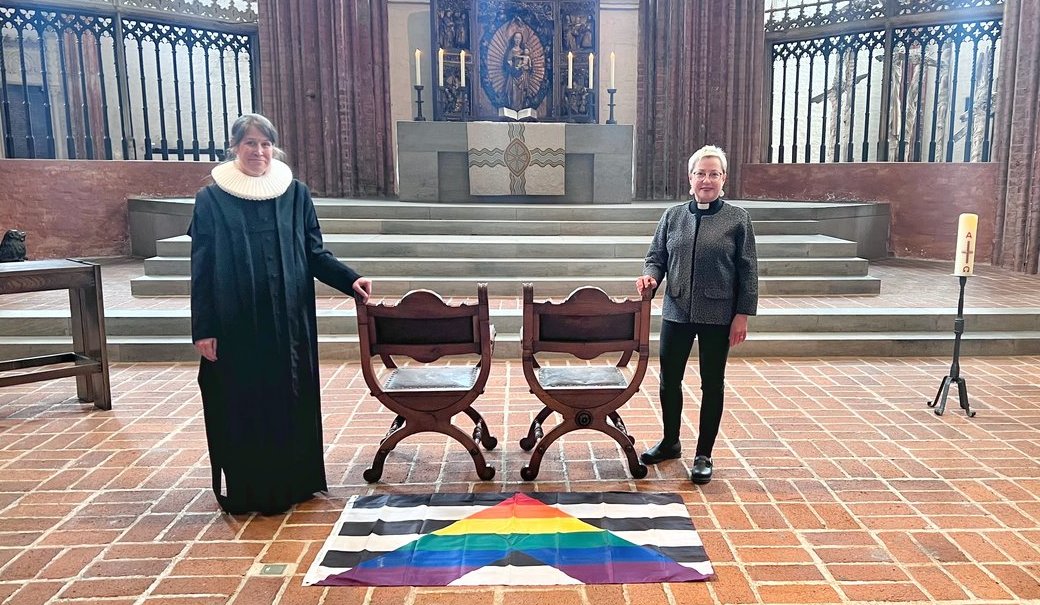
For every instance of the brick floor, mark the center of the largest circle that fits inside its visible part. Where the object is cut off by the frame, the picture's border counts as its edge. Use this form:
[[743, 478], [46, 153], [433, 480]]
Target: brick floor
[[835, 483]]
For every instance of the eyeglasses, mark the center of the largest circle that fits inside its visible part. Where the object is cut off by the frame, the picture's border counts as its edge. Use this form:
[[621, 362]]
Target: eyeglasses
[[712, 176]]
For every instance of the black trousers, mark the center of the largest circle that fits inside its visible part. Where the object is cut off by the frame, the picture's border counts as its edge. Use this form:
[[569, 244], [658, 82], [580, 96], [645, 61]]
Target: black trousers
[[713, 350]]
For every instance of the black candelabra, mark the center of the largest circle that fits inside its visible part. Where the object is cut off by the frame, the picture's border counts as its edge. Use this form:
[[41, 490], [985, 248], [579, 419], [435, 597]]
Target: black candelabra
[[611, 91], [939, 403], [418, 102]]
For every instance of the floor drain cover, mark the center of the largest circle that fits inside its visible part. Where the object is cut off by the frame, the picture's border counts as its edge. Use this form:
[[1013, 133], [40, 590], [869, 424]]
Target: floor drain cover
[[273, 570]]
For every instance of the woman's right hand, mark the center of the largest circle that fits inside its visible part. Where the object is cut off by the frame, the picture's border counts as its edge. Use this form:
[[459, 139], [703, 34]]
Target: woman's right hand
[[207, 347], [645, 282]]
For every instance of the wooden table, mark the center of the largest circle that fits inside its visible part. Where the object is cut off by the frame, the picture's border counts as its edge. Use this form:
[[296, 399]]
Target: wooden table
[[88, 360]]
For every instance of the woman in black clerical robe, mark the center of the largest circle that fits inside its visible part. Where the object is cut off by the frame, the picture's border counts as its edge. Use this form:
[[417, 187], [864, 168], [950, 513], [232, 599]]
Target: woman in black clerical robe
[[255, 250]]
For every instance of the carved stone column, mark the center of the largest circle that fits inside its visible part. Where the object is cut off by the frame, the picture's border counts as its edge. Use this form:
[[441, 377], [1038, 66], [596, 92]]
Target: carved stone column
[[1016, 243], [325, 85], [700, 82]]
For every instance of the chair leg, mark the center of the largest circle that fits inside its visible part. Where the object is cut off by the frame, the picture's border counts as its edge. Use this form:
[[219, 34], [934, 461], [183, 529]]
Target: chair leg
[[480, 431], [620, 424], [530, 471], [388, 443], [484, 471], [535, 432], [394, 427], [623, 439]]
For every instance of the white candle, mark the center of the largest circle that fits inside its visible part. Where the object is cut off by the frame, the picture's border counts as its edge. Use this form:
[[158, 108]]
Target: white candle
[[612, 69], [592, 61], [462, 62], [418, 72], [967, 241], [570, 69], [440, 67]]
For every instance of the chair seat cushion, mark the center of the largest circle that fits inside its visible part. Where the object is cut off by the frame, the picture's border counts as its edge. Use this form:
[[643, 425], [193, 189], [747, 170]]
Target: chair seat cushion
[[434, 377], [581, 376]]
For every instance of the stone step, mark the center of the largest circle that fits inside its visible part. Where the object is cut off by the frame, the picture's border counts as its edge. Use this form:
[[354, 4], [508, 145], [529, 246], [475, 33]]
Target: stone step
[[507, 346], [636, 211], [338, 322], [180, 285], [531, 246], [646, 229], [379, 268]]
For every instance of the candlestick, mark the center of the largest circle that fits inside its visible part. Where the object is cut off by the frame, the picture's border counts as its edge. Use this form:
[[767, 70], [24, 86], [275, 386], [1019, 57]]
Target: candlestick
[[418, 103], [418, 72], [611, 69], [440, 67], [592, 61], [611, 120], [954, 377], [570, 69], [967, 232], [462, 63]]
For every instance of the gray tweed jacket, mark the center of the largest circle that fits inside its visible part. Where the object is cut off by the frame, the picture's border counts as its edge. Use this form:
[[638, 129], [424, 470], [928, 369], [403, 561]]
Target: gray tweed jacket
[[723, 278]]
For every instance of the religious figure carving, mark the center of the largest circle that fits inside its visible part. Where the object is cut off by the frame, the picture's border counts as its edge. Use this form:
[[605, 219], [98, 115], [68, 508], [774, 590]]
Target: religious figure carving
[[578, 32], [517, 69], [516, 65], [447, 29]]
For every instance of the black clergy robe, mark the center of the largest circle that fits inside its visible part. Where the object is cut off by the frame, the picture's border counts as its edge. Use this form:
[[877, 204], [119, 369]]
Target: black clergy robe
[[253, 265]]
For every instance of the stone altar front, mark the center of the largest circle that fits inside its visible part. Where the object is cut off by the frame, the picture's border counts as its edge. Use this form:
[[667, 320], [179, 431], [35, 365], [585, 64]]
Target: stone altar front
[[433, 165]]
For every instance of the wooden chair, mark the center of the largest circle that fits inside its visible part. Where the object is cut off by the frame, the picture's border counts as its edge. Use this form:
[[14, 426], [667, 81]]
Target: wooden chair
[[587, 325], [426, 396]]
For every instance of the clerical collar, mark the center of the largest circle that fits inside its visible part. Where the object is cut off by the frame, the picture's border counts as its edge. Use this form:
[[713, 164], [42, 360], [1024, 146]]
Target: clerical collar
[[710, 208], [270, 185]]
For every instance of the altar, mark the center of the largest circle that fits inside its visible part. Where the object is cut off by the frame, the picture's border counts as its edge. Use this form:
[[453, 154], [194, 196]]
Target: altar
[[436, 160]]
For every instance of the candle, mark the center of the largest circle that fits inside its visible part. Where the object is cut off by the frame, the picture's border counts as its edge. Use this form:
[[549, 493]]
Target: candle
[[418, 73], [462, 62], [570, 69], [592, 61], [440, 67], [612, 69], [967, 232]]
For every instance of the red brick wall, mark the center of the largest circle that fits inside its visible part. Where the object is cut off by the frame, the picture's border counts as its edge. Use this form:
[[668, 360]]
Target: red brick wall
[[78, 207], [925, 199]]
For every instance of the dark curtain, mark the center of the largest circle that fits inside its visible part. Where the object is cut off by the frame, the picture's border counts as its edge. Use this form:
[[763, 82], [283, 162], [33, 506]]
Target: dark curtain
[[700, 81], [1016, 244], [325, 85]]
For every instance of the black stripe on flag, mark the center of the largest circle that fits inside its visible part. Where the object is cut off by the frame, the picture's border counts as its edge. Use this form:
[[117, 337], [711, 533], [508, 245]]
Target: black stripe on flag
[[425, 526], [394, 528], [491, 499], [640, 523]]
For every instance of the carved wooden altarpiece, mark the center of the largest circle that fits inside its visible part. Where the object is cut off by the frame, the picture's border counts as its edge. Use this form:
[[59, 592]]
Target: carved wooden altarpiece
[[516, 56]]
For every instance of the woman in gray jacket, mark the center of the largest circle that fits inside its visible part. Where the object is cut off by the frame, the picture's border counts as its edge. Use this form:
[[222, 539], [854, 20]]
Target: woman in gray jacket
[[706, 248]]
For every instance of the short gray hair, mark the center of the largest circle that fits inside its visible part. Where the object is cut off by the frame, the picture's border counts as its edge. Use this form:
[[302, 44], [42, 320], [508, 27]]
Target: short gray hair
[[708, 151], [261, 123]]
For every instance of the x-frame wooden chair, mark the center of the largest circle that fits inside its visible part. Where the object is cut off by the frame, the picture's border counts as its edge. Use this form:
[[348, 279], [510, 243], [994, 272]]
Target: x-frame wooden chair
[[587, 325], [426, 395]]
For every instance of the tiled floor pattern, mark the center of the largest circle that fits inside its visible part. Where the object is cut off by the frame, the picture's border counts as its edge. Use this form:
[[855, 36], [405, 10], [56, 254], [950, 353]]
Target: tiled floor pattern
[[834, 483]]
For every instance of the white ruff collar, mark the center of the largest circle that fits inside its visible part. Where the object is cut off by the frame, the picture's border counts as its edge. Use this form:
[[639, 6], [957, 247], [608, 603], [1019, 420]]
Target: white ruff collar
[[272, 184]]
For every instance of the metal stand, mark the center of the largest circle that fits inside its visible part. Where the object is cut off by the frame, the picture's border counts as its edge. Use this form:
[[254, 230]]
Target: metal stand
[[418, 102], [955, 368], [465, 103], [611, 119]]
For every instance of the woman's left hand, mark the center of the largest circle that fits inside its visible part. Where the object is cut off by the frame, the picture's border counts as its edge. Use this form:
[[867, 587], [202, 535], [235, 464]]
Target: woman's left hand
[[363, 287], [738, 330]]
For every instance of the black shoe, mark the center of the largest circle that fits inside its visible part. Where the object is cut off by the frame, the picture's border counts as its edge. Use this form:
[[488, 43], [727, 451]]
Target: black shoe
[[701, 472], [660, 453]]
